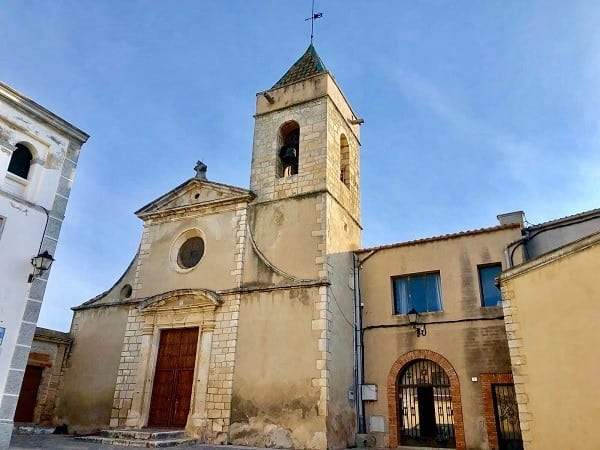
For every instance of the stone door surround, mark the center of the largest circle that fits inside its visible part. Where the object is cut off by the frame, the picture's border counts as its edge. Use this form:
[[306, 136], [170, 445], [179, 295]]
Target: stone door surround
[[182, 308]]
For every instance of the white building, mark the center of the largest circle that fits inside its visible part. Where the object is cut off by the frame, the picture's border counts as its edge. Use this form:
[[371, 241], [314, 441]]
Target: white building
[[38, 159]]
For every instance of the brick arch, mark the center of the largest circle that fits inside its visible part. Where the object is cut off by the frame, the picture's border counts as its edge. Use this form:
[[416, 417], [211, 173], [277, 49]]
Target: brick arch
[[392, 395]]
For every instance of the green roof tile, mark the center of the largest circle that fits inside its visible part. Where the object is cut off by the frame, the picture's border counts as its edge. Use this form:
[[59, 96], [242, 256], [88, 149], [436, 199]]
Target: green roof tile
[[308, 65]]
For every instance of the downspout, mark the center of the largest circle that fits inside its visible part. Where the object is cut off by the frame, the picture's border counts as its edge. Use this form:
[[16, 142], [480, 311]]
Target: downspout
[[358, 348]]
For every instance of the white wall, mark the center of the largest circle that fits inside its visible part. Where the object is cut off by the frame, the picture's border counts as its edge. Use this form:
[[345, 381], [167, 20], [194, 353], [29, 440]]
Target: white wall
[[33, 210], [19, 242]]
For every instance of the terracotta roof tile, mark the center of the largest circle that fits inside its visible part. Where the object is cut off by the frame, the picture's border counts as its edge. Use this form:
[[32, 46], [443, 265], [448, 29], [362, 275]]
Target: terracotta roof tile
[[439, 238], [308, 65]]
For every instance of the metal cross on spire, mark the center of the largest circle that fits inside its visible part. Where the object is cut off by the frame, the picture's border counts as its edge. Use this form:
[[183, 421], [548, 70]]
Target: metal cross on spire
[[314, 16]]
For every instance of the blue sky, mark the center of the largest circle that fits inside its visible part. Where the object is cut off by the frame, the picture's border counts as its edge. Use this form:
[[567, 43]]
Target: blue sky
[[471, 108]]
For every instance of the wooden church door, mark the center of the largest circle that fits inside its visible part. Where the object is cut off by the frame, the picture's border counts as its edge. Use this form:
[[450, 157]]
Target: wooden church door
[[173, 378]]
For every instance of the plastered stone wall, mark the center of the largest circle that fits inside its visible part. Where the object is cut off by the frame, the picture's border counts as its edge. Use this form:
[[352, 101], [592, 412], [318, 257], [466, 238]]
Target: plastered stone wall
[[295, 225], [278, 390], [343, 234], [551, 316], [86, 397]]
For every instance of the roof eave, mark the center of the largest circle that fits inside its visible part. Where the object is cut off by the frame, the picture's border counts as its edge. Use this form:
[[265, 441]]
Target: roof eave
[[29, 106], [442, 237]]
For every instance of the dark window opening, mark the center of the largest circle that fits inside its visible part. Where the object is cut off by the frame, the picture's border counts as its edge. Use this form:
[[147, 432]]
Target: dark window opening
[[490, 293], [20, 161], [344, 161], [289, 152], [420, 291], [190, 253], [125, 292]]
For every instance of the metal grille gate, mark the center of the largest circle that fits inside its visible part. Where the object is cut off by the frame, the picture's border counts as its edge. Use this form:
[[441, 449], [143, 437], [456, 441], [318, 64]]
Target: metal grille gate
[[426, 414], [507, 417]]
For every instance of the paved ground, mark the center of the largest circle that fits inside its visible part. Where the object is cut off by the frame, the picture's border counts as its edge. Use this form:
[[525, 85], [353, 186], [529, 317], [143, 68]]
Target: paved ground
[[61, 442]]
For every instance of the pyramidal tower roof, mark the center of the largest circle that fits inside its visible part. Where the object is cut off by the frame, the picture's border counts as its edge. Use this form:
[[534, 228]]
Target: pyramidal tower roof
[[308, 64]]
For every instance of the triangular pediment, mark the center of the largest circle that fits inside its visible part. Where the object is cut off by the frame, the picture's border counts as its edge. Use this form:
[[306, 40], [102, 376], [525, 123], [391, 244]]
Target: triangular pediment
[[195, 193]]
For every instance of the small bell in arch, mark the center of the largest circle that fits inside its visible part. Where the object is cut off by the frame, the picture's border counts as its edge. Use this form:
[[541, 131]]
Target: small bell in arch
[[289, 159]]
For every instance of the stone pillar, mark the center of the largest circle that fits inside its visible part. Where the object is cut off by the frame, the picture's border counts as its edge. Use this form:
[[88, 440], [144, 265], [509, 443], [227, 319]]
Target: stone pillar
[[198, 419], [137, 415]]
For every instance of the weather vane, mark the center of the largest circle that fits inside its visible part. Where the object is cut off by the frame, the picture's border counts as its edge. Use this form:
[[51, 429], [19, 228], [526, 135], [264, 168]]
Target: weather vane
[[314, 16]]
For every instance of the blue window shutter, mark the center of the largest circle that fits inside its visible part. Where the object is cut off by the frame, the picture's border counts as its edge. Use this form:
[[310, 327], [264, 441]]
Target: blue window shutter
[[487, 278]]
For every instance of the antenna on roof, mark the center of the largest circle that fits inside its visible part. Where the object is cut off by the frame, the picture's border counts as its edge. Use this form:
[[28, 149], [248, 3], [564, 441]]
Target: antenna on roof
[[314, 16]]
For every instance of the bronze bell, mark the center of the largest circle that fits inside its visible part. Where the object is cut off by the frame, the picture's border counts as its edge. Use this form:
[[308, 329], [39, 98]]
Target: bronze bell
[[288, 155]]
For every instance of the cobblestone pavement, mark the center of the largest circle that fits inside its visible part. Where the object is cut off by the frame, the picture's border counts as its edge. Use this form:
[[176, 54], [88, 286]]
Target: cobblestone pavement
[[62, 442]]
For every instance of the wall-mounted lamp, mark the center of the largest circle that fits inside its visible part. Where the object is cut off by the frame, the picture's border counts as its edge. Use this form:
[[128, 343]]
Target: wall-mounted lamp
[[40, 263], [413, 319]]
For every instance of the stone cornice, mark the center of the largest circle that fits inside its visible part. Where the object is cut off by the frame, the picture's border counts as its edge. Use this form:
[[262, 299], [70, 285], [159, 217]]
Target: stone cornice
[[218, 294], [207, 208]]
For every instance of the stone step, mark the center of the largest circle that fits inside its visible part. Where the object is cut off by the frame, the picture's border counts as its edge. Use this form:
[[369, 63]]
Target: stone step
[[144, 443], [32, 429], [408, 447], [149, 434]]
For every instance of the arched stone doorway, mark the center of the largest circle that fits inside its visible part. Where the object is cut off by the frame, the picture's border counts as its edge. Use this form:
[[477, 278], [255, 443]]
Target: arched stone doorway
[[424, 405]]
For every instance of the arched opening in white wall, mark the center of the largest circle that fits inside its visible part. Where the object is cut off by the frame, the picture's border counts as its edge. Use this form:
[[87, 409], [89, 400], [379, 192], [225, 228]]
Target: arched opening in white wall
[[20, 161], [288, 154], [344, 161]]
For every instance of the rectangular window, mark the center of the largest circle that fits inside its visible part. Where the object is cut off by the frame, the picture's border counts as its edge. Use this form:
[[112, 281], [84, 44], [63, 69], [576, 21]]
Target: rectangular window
[[490, 294], [421, 292]]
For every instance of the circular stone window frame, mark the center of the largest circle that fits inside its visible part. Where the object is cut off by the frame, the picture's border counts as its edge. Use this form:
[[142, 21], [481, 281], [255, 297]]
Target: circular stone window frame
[[176, 246]]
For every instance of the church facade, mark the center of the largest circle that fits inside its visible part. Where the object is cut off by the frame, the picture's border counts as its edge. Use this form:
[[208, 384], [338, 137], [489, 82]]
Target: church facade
[[213, 327]]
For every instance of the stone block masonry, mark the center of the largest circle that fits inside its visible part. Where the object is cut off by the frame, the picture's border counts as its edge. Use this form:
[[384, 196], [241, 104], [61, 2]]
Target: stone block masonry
[[518, 360], [211, 400]]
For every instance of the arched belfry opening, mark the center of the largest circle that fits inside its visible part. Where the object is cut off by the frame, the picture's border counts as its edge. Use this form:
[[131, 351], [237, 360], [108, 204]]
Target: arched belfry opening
[[288, 154], [20, 161], [344, 161]]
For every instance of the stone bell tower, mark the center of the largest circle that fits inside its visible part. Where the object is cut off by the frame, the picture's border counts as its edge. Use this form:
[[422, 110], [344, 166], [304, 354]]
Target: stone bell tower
[[307, 99], [307, 110], [302, 228]]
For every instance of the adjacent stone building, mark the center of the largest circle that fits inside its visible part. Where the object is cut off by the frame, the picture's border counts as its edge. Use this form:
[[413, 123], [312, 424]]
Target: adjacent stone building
[[38, 160]]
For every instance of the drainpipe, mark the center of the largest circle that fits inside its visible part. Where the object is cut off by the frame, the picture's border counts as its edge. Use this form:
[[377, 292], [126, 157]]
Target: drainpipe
[[358, 348]]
